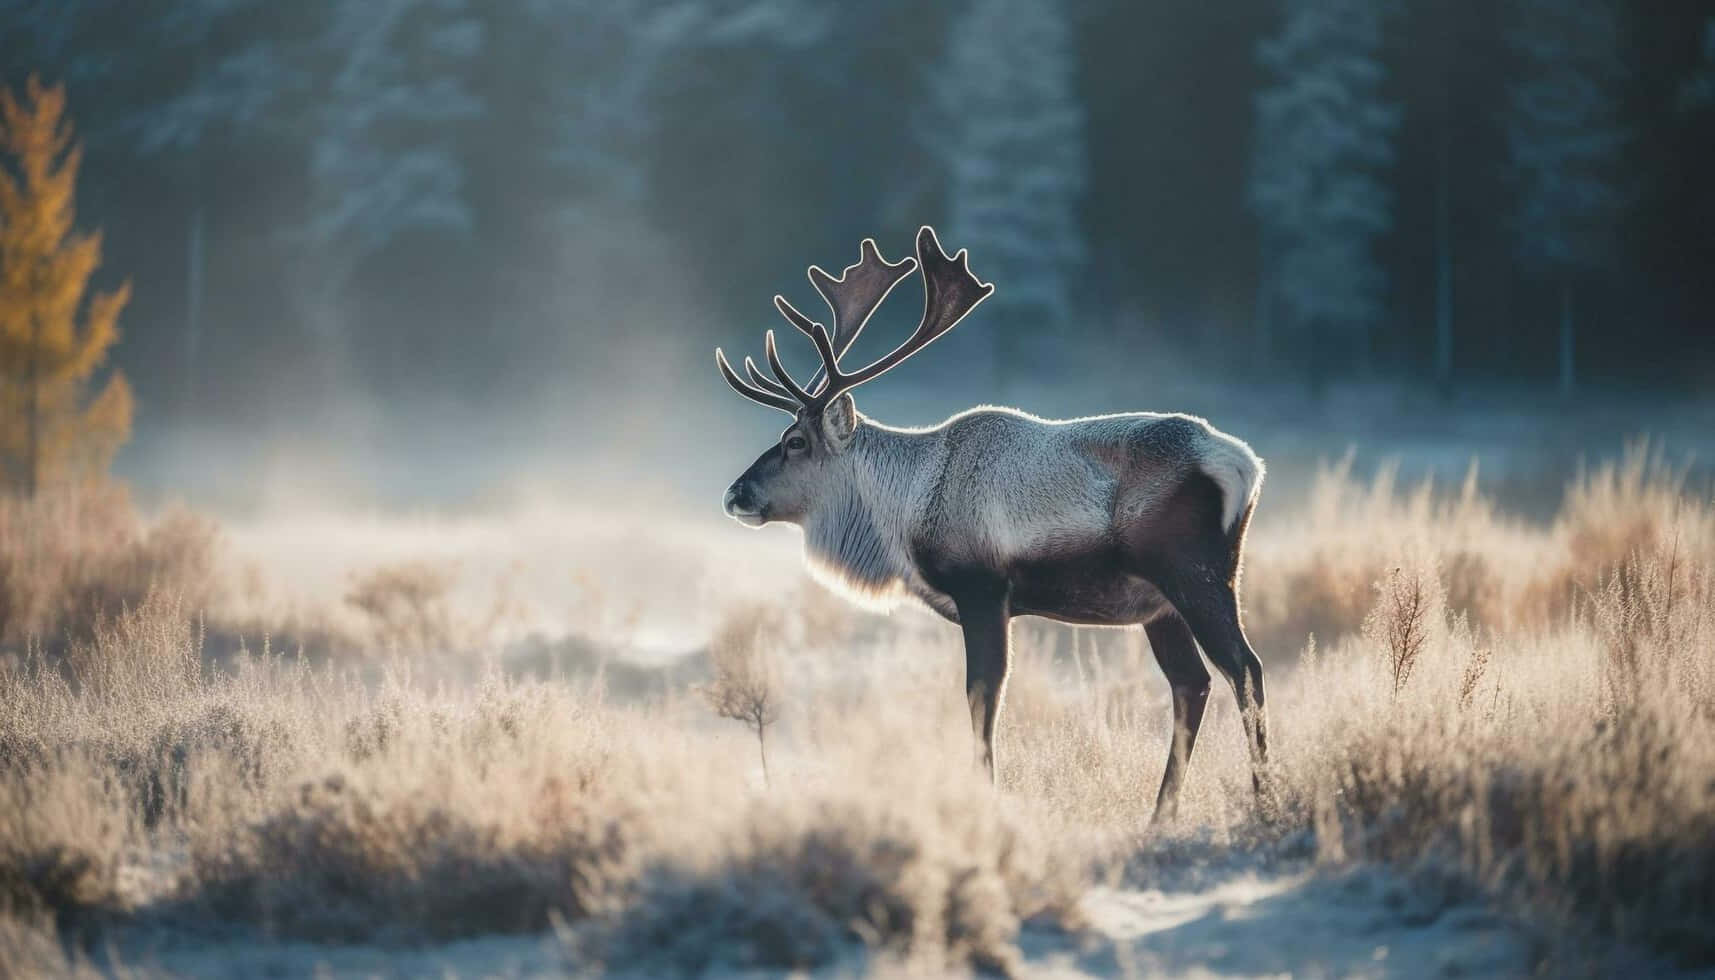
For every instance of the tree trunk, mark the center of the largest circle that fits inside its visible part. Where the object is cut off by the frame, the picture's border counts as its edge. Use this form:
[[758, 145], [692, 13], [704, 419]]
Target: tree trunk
[[33, 413], [1264, 308], [1568, 375], [1444, 220], [1444, 272], [194, 259], [1316, 368], [762, 751]]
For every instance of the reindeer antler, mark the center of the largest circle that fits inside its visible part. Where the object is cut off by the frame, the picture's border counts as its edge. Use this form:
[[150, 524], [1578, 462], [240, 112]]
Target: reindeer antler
[[852, 298], [950, 292], [754, 392]]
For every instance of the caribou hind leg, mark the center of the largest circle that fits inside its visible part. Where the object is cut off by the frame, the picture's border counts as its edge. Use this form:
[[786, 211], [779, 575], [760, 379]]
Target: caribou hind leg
[[1213, 613], [1183, 550], [1175, 650]]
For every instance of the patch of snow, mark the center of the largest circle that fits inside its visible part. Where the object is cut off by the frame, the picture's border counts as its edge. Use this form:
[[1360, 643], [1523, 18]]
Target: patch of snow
[[1307, 923]]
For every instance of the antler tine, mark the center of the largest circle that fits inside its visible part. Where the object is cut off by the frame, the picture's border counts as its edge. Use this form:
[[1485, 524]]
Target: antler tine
[[950, 291], [817, 334], [855, 295], [762, 381], [756, 394], [780, 372], [805, 325]]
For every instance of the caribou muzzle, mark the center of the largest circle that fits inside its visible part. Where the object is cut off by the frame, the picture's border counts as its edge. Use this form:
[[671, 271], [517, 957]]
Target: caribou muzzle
[[741, 504]]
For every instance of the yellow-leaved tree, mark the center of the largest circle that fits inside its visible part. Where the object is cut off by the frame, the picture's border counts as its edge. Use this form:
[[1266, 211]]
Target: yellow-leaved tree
[[53, 340]]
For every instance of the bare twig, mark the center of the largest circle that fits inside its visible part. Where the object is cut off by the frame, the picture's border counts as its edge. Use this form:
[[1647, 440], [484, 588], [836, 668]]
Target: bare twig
[[746, 685]]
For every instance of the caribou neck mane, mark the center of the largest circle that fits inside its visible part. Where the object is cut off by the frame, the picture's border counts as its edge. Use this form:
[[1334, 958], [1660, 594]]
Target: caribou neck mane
[[858, 537]]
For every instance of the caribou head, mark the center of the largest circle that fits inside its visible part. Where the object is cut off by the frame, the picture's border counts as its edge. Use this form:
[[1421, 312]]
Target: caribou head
[[784, 482]]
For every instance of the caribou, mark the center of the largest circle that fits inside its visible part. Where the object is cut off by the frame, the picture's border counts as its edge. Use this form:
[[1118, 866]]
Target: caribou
[[1134, 519]]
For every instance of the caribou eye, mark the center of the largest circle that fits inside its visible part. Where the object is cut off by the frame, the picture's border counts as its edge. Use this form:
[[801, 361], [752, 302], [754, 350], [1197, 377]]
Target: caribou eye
[[796, 443]]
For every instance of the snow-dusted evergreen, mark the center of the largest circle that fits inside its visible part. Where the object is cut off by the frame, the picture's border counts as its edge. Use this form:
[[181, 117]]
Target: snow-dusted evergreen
[[1008, 128], [229, 90], [384, 152], [1319, 178], [595, 93], [1564, 136], [598, 65]]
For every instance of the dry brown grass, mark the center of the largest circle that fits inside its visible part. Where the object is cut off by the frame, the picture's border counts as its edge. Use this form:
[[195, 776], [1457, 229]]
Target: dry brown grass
[[68, 559], [1529, 709], [1317, 573], [303, 804], [1568, 760]]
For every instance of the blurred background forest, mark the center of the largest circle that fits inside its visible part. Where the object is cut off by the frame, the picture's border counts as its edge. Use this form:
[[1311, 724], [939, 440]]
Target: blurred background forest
[[426, 229]]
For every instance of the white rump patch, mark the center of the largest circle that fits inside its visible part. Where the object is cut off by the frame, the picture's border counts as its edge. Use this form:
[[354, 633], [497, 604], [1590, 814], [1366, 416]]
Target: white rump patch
[[1236, 470]]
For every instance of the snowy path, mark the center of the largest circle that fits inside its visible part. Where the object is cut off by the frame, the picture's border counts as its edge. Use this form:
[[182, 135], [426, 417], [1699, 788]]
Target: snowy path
[[1365, 923]]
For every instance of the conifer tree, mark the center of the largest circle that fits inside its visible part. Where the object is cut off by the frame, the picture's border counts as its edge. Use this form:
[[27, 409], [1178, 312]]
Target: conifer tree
[[53, 340], [1319, 179], [1565, 135], [1008, 129]]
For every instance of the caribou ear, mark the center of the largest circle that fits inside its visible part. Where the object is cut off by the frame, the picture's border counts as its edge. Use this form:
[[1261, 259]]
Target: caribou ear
[[839, 421]]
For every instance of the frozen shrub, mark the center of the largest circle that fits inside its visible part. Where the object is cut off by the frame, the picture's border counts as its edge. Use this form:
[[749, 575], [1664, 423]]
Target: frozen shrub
[[1475, 666], [940, 889], [1409, 612], [343, 863], [1646, 614], [62, 828], [746, 683], [406, 607]]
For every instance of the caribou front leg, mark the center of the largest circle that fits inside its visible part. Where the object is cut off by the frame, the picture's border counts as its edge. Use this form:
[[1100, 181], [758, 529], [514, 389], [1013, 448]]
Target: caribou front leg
[[985, 614]]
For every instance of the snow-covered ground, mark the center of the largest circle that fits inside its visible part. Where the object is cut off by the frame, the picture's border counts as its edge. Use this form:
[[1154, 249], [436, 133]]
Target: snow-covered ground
[[1253, 917]]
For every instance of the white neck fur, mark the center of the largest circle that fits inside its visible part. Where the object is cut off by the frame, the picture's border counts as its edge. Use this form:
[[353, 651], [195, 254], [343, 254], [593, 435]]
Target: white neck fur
[[856, 538]]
